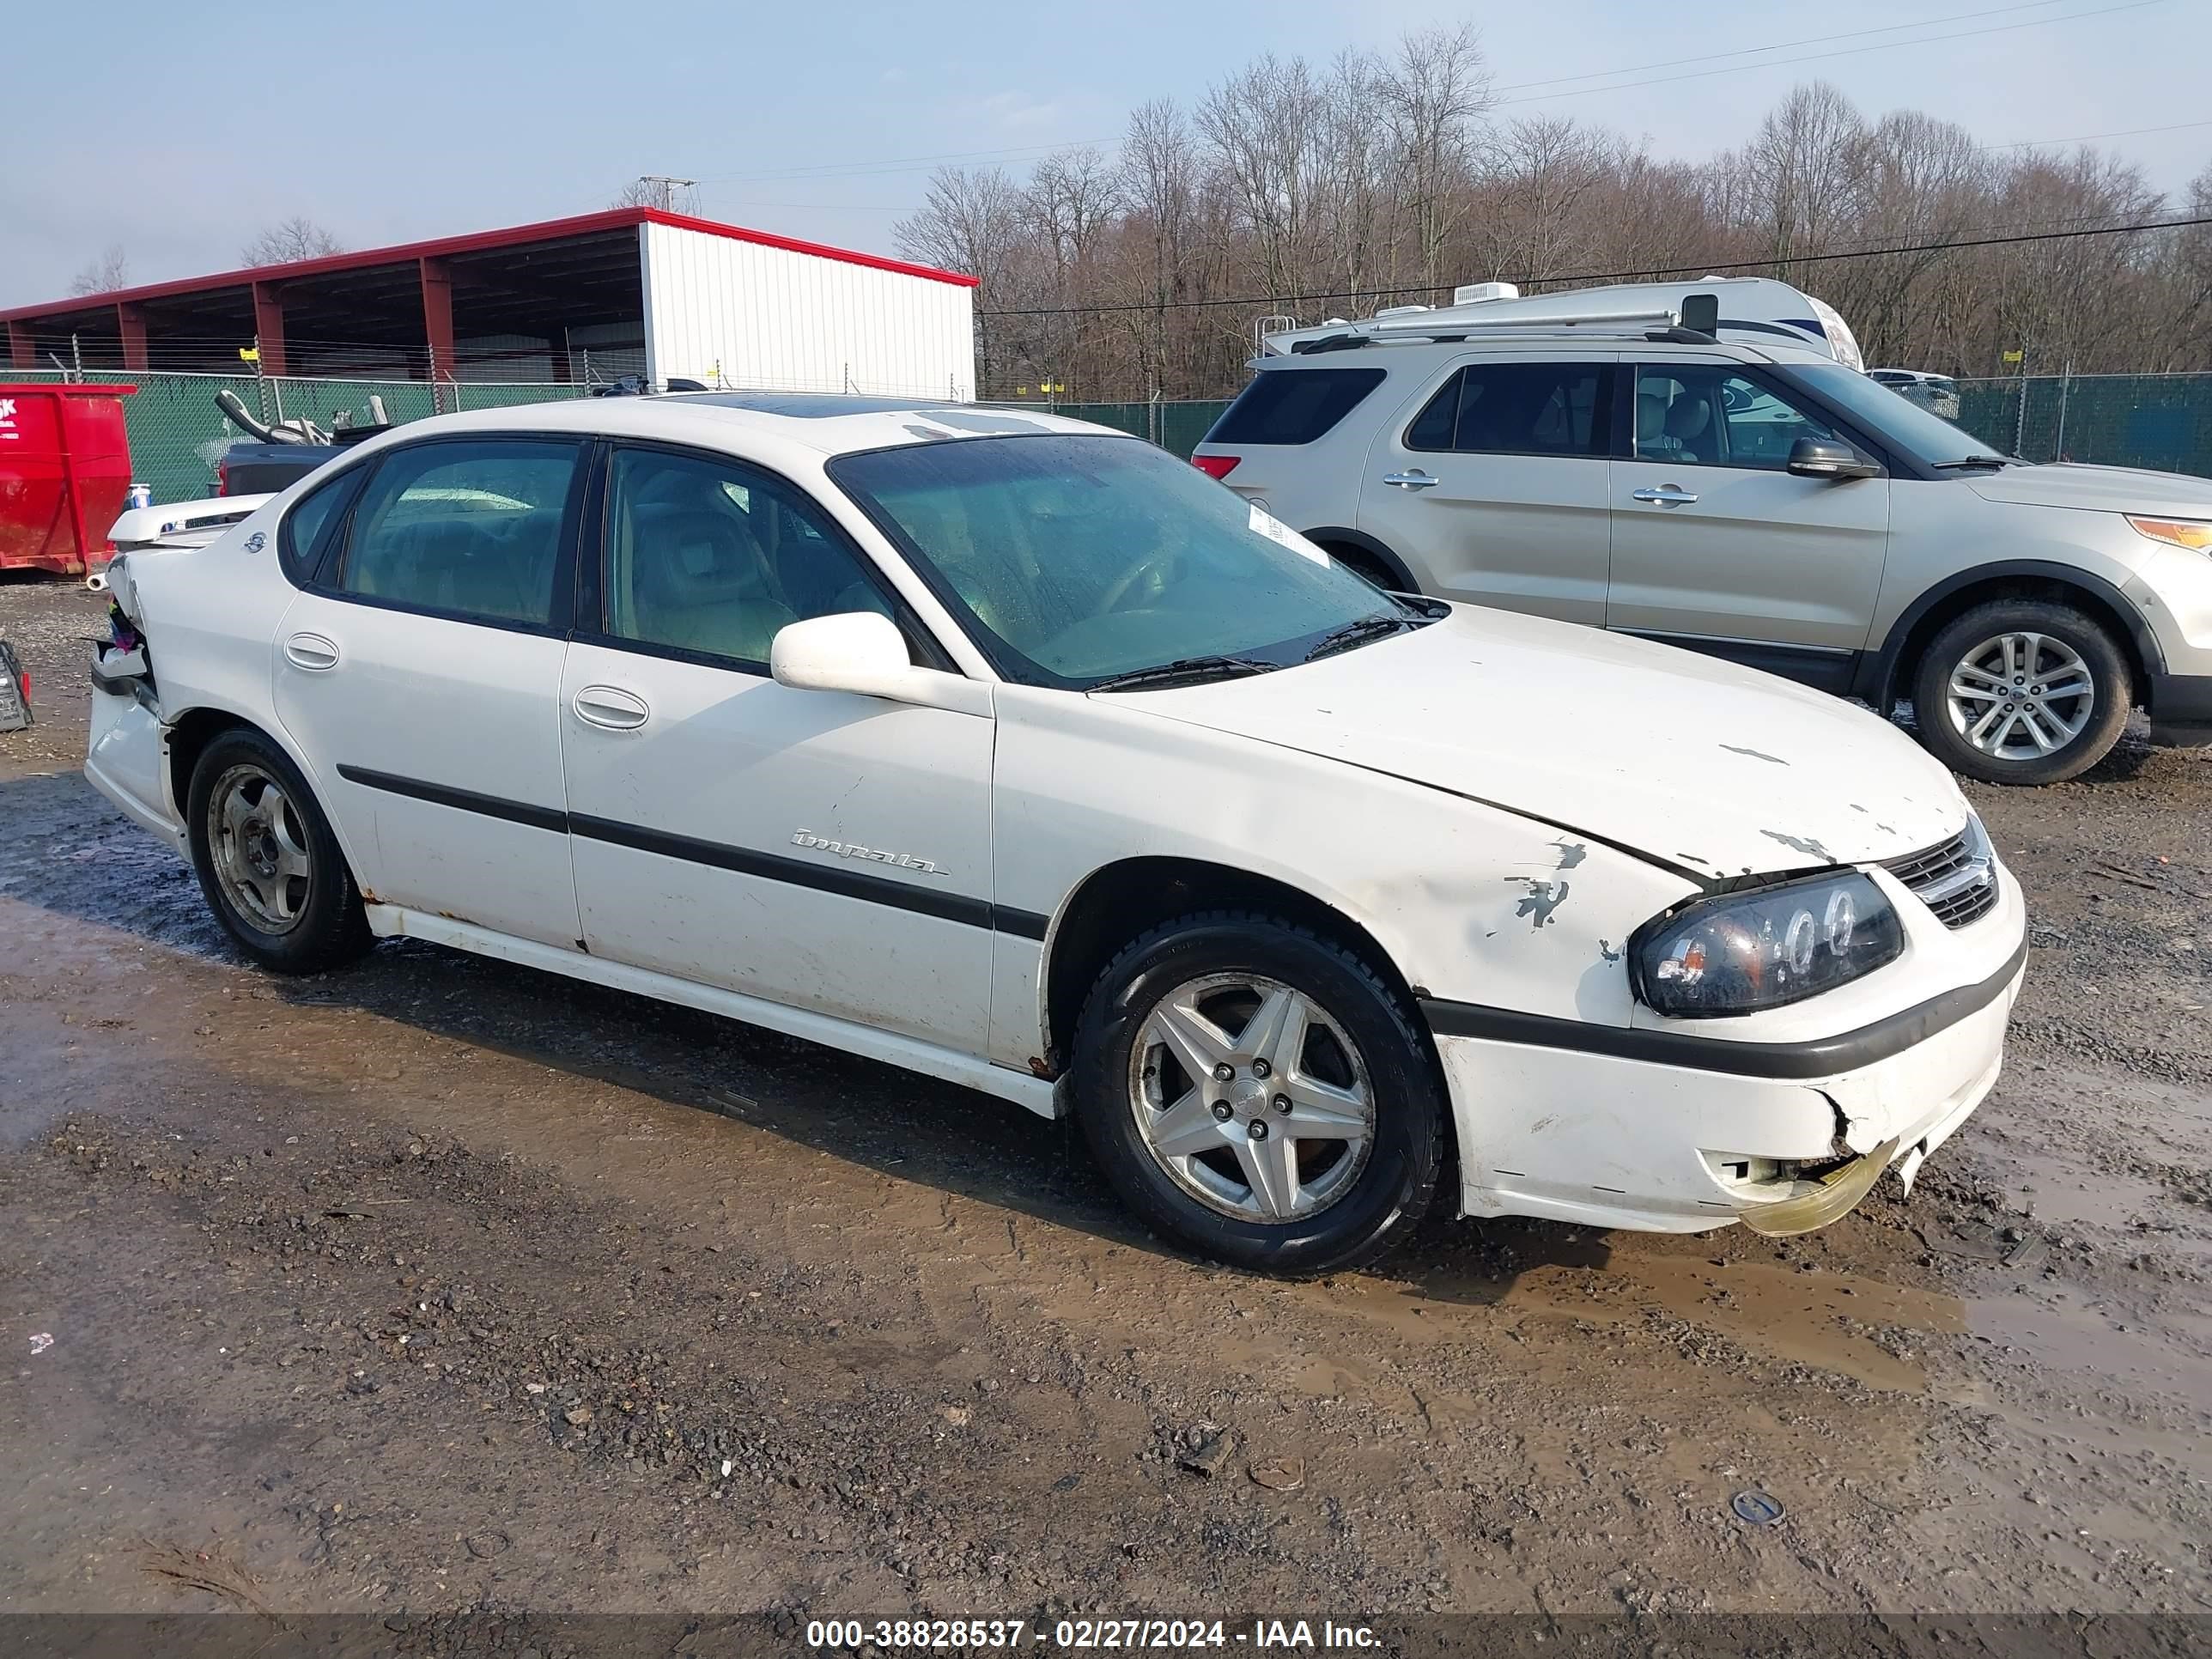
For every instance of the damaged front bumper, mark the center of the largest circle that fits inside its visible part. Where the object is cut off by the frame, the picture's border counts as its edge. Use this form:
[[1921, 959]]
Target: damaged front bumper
[[1614, 1140]]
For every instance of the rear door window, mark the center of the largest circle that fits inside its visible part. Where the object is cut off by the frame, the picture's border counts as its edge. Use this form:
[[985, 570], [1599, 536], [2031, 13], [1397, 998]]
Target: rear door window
[[300, 540], [1293, 405], [1519, 409], [470, 528]]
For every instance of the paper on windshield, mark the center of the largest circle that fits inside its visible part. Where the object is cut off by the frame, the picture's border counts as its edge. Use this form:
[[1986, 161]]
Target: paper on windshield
[[1265, 523]]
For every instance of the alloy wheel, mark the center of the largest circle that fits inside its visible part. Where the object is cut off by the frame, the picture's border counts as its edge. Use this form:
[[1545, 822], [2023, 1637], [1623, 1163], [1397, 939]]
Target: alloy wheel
[[1251, 1097], [260, 849], [2020, 696]]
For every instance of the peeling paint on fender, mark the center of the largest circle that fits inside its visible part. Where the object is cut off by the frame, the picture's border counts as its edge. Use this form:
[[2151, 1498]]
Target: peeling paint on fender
[[1540, 900]]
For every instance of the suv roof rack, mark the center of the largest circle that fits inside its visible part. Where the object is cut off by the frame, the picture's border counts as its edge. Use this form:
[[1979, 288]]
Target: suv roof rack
[[1453, 323], [1457, 322]]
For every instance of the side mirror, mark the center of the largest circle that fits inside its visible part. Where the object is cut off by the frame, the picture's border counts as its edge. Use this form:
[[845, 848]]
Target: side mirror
[[857, 651], [1824, 458]]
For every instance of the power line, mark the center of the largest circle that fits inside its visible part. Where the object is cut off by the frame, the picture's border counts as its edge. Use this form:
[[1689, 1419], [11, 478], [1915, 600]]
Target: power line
[[896, 163], [2091, 137], [1779, 45], [886, 165], [1705, 268], [1823, 57]]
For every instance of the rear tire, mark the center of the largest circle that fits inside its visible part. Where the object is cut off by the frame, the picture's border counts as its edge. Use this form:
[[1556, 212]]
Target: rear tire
[[1321, 1149], [267, 862], [2022, 691], [1367, 567]]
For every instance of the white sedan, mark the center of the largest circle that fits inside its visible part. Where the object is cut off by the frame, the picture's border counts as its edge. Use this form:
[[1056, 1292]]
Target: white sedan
[[1013, 751]]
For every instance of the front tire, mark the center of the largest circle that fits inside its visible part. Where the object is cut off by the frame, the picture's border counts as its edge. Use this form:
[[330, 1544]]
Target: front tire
[[1259, 1093], [2022, 691], [267, 862]]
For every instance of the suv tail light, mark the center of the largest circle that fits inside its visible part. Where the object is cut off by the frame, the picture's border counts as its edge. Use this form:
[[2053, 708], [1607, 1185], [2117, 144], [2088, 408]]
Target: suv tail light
[[222, 478], [1216, 466]]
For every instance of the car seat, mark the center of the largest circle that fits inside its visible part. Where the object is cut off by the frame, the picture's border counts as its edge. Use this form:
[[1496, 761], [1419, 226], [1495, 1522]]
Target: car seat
[[1689, 420], [698, 580]]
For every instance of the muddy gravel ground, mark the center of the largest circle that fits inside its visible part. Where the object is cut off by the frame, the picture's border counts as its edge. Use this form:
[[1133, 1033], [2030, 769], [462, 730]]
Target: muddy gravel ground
[[441, 1285]]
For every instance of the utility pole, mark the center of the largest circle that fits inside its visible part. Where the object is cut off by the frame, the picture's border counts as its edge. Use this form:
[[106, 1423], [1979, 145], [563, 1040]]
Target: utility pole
[[660, 190]]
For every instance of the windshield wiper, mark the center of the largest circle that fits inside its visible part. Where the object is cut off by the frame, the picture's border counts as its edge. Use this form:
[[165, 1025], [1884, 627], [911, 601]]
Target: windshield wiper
[[1974, 460], [1184, 671], [1357, 632]]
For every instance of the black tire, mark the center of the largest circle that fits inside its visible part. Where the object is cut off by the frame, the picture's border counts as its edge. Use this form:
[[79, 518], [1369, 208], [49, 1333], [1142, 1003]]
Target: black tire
[[1366, 567], [2110, 697], [1387, 1197], [330, 927]]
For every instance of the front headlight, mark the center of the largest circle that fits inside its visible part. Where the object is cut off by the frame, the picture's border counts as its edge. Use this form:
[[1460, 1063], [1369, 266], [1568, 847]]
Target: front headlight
[[2175, 532], [1740, 952]]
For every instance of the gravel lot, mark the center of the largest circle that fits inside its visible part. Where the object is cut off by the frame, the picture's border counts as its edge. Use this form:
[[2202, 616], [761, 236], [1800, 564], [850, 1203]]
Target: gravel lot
[[441, 1285]]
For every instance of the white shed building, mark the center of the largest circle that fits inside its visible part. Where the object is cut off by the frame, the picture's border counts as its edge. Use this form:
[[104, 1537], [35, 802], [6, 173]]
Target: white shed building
[[582, 300], [732, 307]]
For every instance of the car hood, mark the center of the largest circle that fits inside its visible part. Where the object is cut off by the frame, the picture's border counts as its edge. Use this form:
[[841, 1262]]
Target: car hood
[[2099, 489], [1692, 762]]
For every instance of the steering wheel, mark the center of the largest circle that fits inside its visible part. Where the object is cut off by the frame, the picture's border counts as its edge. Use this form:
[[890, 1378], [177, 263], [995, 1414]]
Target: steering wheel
[[1145, 564]]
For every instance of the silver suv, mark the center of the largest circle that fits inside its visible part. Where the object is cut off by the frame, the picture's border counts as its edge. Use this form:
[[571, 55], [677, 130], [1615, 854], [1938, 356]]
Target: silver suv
[[1762, 502]]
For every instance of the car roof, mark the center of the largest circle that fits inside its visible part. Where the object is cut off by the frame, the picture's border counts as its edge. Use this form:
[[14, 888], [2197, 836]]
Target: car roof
[[828, 424], [1569, 343]]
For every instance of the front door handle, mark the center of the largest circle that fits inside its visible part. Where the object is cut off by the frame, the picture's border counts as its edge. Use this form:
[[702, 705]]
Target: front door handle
[[1665, 495], [611, 708], [1415, 480], [311, 651]]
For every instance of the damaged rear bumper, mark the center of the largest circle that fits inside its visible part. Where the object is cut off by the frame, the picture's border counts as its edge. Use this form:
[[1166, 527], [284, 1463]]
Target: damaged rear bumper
[[126, 756]]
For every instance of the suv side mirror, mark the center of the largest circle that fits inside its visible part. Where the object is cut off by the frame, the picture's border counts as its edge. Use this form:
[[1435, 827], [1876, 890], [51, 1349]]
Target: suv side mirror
[[858, 651], [1824, 458]]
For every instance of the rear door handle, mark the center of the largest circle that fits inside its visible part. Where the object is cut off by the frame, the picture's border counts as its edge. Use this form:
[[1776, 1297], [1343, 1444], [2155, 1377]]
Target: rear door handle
[[1665, 495], [311, 651], [1415, 480], [611, 708]]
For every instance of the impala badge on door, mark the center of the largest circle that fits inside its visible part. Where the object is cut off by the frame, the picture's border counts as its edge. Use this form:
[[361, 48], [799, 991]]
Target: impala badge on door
[[846, 849]]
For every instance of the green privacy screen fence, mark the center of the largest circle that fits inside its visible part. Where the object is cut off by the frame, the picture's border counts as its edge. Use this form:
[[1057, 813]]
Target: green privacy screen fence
[[176, 435], [2163, 421]]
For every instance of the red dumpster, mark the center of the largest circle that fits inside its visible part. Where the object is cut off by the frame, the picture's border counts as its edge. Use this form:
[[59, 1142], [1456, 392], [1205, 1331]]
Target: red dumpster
[[64, 471]]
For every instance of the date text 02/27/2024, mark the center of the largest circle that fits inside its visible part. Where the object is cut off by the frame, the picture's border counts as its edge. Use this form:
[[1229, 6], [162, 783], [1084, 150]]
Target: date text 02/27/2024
[[1085, 1634]]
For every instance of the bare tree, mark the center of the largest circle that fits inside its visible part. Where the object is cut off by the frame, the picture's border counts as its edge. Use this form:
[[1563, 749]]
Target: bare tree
[[293, 239], [1368, 179], [1433, 97], [659, 190], [110, 271]]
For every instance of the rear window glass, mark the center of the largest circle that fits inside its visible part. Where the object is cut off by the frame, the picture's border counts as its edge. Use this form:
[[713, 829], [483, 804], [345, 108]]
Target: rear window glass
[[1518, 409], [1292, 405]]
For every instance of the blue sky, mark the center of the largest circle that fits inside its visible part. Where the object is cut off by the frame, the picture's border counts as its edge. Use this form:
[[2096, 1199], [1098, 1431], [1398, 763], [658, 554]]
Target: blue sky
[[405, 120]]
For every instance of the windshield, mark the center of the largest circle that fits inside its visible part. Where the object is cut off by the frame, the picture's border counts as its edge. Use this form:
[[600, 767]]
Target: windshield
[[1073, 559], [1929, 438]]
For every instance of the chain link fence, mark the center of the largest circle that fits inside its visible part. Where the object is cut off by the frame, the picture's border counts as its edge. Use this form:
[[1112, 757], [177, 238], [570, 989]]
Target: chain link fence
[[178, 435], [1177, 428], [2162, 422]]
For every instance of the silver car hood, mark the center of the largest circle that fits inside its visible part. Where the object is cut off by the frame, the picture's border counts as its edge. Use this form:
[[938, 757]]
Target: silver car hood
[[2100, 489], [1690, 761]]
